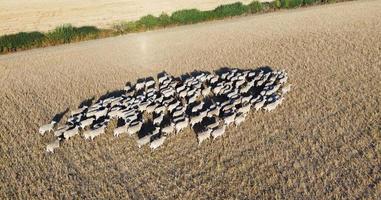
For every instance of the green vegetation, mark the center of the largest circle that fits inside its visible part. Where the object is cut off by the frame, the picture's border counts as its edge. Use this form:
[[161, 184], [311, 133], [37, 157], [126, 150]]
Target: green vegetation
[[67, 33]]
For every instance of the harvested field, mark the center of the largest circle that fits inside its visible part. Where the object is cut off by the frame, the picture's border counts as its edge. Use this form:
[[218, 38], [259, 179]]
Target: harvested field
[[43, 15], [324, 141]]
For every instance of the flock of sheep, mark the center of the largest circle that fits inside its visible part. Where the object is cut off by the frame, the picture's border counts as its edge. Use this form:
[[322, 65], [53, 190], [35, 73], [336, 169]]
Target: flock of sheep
[[152, 112]]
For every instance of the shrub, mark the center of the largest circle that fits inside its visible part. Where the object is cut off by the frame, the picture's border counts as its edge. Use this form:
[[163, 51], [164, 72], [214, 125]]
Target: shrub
[[87, 32], [165, 20], [278, 3], [61, 34], [148, 22], [308, 2], [188, 16], [229, 10], [255, 7], [291, 3], [20, 41], [128, 27]]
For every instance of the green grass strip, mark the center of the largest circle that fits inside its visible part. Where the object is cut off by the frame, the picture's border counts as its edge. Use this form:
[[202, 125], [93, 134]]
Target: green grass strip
[[68, 34]]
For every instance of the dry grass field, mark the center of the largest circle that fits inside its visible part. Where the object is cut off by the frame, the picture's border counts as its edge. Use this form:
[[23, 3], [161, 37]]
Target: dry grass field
[[323, 142], [44, 15]]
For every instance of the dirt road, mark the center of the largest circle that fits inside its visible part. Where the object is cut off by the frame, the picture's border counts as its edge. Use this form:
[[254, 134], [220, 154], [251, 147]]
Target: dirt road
[[323, 141]]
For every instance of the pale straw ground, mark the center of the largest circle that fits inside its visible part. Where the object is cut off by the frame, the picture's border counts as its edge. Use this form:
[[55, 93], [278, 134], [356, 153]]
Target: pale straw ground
[[324, 141], [44, 15]]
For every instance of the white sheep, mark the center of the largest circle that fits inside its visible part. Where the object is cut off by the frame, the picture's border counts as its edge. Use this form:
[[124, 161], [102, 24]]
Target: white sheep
[[134, 127], [168, 129], [239, 119], [271, 106], [143, 140], [286, 89], [157, 143], [158, 119], [204, 135], [173, 105], [92, 133], [259, 104], [230, 118], [245, 108], [71, 132], [120, 130], [195, 119], [87, 122], [182, 124], [47, 128], [53, 145], [218, 131]]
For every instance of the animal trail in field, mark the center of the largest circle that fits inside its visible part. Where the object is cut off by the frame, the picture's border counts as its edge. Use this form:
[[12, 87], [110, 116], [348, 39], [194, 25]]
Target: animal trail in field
[[151, 111]]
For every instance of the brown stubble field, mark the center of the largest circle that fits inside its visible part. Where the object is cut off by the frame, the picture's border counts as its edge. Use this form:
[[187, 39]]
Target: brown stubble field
[[324, 141]]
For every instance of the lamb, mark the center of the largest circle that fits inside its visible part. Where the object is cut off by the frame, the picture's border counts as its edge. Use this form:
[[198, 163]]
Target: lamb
[[286, 89], [78, 111], [197, 107], [195, 120], [120, 130], [150, 83], [182, 124], [92, 133], [246, 88], [213, 111], [229, 118], [258, 105], [85, 123], [178, 111], [205, 134], [245, 108], [143, 140], [71, 132], [173, 105], [218, 131], [134, 127], [150, 108], [239, 119], [60, 130], [206, 91], [53, 145], [246, 99], [238, 83], [214, 124], [140, 86], [192, 99], [157, 143], [273, 89], [47, 127], [160, 109], [158, 119], [213, 80], [168, 129], [271, 106]]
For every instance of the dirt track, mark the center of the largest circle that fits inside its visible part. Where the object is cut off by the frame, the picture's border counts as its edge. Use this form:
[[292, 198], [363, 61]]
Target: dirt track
[[323, 141], [44, 15]]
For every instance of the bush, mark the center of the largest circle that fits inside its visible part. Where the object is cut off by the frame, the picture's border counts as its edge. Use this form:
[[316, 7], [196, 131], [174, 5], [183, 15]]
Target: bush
[[308, 2], [148, 22], [255, 7], [165, 20], [67, 33], [20, 41], [188, 16], [230, 10], [127, 27], [291, 3], [61, 34]]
